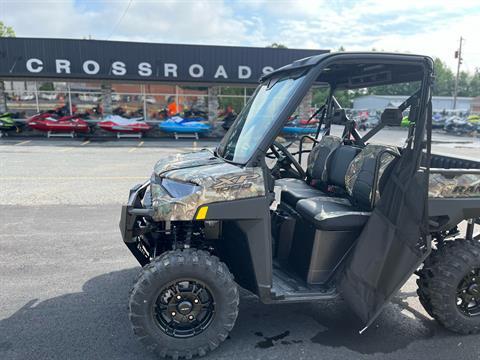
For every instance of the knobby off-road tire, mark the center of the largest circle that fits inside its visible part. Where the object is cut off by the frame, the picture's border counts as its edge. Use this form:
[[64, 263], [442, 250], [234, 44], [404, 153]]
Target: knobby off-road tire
[[169, 268], [439, 282]]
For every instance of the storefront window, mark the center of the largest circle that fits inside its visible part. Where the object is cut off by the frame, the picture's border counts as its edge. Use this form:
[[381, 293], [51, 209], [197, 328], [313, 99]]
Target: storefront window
[[234, 97], [127, 100], [192, 100], [157, 106], [159, 89], [87, 102], [159, 100]]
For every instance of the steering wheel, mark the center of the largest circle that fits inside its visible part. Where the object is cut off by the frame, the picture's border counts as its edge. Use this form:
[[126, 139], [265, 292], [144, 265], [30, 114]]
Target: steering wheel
[[285, 162]]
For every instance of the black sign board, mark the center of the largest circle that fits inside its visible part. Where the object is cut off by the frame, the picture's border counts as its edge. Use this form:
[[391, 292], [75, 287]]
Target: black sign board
[[115, 60]]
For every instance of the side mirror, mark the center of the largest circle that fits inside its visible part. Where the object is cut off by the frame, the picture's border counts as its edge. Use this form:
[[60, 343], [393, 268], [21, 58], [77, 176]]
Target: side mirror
[[339, 117], [391, 117]]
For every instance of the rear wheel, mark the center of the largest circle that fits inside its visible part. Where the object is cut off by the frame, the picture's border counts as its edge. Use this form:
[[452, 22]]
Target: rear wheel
[[449, 286], [184, 304]]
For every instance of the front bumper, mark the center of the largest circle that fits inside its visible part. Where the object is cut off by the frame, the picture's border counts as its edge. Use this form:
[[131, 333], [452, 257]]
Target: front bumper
[[131, 212]]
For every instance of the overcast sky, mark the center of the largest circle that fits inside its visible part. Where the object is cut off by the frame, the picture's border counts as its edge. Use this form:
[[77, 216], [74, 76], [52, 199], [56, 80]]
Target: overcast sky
[[431, 27]]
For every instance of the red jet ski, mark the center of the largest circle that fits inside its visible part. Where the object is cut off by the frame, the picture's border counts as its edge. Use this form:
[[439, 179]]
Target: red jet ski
[[119, 124], [52, 122]]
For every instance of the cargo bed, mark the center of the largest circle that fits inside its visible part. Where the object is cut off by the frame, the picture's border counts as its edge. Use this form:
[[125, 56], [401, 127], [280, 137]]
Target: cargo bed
[[454, 191]]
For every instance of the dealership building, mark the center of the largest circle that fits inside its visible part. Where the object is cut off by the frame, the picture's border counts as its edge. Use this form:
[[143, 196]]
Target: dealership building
[[439, 103], [42, 74]]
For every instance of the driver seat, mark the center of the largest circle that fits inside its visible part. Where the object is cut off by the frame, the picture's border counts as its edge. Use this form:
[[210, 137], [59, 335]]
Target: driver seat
[[294, 190]]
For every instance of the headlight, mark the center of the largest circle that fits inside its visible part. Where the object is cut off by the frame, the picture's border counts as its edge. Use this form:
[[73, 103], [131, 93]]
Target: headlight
[[177, 189]]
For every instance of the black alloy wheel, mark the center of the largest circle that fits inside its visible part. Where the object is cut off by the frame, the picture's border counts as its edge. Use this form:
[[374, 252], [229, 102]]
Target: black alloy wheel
[[184, 308], [468, 293]]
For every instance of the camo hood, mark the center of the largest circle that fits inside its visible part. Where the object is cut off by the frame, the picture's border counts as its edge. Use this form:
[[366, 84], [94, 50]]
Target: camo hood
[[186, 160], [210, 179]]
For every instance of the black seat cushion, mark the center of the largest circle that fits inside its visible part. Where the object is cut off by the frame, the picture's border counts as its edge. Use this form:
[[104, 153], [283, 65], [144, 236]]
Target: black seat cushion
[[329, 213], [338, 164], [365, 172], [318, 158], [294, 190]]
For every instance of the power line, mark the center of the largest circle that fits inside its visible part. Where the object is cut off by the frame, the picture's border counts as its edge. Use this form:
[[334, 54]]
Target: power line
[[120, 19]]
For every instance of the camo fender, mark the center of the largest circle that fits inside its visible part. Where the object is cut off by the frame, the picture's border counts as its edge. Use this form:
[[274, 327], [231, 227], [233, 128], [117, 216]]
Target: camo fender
[[457, 186]]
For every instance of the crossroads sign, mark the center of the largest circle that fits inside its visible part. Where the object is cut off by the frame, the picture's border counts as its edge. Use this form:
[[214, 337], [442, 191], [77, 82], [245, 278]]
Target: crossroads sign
[[113, 60]]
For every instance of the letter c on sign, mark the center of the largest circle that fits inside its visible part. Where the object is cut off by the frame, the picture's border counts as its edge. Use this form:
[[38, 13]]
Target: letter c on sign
[[195, 70], [91, 67], [34, 65]]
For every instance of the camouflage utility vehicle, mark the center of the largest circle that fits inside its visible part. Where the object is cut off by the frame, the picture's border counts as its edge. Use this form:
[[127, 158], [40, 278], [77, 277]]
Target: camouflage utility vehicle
[[357, 221]]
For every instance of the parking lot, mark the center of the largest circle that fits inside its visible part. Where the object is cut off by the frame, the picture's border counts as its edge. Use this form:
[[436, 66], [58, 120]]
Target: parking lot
[[65, 273]]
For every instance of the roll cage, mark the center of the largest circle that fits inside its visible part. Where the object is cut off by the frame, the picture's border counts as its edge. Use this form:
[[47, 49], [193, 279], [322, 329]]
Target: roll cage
[[348, 71]]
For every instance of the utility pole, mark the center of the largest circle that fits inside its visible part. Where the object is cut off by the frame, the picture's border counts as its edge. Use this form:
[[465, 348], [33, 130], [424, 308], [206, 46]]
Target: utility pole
[[458, 55]]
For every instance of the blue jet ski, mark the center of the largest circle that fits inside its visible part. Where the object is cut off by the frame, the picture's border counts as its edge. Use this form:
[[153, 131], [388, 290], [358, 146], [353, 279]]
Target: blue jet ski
[[299, 130], [179, 125]]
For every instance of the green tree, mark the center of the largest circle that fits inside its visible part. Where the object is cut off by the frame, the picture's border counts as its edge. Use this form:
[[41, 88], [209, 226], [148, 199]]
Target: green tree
[[277, 46], [475, 84], [46, 86], [464, 84], [6, 31], [444, 79], [395, 89], [319, 95]]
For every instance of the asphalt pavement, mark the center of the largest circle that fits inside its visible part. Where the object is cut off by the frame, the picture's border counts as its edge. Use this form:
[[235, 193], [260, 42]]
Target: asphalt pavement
[[65, 273]]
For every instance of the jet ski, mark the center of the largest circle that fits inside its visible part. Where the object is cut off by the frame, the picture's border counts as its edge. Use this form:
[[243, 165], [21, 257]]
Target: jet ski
[[9, 123], [295, 126], [177, 124], [459, 126], [438, 121], [51, 122], [299, 130], [120, 124]]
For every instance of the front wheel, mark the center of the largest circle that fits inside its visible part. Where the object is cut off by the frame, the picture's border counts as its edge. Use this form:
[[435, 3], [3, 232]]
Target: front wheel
[[449, 286], [184, 304]]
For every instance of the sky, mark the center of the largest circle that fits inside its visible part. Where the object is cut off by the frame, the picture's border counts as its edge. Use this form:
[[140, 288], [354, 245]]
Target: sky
[[430, 27]]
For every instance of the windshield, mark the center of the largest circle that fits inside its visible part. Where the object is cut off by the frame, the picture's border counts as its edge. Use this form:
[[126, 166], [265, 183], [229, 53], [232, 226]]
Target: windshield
[[257, 118]]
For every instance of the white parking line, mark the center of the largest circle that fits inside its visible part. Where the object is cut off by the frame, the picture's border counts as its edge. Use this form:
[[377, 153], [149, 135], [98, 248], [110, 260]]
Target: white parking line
[[140, 144], [23, 142], [85, 143]]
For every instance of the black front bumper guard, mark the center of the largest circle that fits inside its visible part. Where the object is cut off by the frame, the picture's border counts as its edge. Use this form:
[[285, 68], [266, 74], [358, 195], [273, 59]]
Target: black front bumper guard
[[128, 221]]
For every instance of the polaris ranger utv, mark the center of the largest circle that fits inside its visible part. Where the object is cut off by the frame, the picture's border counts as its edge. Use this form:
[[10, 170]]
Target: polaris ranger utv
[[357, 222]]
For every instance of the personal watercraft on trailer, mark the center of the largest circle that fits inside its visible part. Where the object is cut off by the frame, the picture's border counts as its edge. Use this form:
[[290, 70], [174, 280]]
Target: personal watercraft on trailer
[[459, 126], [178, 125], [9, 123], [51, 123], [120, 124]]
